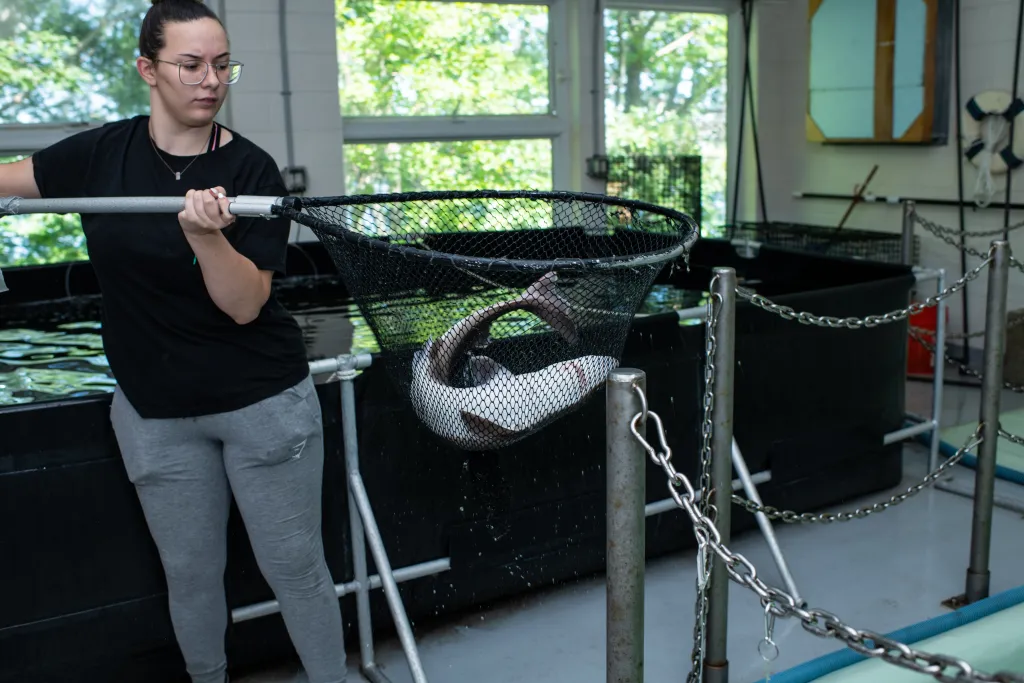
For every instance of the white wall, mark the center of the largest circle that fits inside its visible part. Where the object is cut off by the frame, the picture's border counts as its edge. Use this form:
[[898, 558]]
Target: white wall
[[791, 163], [256, 105]]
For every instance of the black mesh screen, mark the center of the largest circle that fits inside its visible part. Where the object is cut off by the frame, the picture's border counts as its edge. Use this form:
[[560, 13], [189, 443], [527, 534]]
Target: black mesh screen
[[871, 245], [497, 312], [672, 181]]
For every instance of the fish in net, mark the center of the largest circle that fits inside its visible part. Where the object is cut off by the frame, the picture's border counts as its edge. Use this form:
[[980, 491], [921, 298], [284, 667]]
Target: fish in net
[[496, 312]]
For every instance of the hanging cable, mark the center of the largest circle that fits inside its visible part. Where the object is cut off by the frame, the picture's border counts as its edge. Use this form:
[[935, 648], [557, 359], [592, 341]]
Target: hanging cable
[[1016, 76], [747, 88], [960, 173], [748, 20]]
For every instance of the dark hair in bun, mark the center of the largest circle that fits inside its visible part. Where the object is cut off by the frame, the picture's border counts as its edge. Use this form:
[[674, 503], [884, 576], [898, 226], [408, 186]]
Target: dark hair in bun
[[151, 36]]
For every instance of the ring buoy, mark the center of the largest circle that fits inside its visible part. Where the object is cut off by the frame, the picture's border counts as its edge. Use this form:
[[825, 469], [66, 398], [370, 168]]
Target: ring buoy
[[988, 123], [986, 130]]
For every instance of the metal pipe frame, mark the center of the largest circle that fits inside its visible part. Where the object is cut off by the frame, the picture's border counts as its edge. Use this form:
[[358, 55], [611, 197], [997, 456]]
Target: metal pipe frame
[[938, 374], [716, 662], [978, 574], [364, 530], [740, 464], [625, 547]]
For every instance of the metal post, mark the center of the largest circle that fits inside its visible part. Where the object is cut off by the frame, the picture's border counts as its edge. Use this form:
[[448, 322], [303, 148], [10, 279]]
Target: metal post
[[938, 373], [626, 542], [907, 246], [364, 528], [716, 662], [991, 387]]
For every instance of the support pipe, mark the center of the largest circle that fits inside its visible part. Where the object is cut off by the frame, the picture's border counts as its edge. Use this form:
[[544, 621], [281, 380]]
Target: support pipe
[[716, 662], [626, 543], [978, 573]]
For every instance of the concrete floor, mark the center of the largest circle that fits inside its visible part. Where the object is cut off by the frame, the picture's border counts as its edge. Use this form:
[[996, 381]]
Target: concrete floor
[[881, 573]]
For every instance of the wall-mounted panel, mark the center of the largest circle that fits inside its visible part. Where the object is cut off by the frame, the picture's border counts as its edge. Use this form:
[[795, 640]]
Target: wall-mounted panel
[[879, 71]]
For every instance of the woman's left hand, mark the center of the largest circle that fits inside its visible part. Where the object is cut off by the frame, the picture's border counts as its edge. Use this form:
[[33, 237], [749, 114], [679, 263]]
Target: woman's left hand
[[206, 212]]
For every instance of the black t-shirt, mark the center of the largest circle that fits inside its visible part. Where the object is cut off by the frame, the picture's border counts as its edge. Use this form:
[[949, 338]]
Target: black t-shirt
[[173, 352]]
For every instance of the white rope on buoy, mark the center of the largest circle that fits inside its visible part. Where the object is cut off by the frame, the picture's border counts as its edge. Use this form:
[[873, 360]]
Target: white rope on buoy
[[986, 134]]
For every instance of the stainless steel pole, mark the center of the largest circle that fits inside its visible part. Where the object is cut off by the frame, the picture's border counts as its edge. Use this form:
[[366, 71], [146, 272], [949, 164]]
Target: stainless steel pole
[[978, 573], [907, 245], [626, 542], [242, 205], [938, 378], [716, 662], [365, 531]]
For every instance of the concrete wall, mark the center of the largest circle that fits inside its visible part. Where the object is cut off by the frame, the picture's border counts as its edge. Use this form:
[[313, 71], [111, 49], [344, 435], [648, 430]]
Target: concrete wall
[[791, 163]]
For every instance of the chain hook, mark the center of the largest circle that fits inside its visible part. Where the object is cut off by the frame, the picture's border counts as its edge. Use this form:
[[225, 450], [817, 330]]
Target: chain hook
[[767, 648], [643, 401]]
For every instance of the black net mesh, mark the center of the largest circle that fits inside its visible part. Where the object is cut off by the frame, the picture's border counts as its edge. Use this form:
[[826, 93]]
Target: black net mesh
[[497, 312], [871, 245]]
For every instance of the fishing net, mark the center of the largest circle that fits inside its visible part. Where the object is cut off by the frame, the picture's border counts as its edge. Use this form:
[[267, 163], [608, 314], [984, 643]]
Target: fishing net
[[496, 312]]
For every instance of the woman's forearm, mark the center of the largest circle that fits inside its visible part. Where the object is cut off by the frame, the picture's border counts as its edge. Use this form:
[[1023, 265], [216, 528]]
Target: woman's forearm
[[234, 283]]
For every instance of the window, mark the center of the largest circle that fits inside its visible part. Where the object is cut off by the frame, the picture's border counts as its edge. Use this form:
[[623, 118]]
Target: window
[[72, 61], [665, 92], [422, 58], [457, 165], [448, 95], [35, 239]]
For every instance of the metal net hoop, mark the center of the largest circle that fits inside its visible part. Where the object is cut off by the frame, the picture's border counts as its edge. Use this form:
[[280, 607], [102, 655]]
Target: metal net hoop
[[496, 312]]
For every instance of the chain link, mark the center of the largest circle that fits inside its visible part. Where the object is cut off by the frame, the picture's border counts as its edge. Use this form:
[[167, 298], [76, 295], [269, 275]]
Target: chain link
[[867, 321], [780, 603], [935, 228], [1010, 324], [918, 334], [790, 517], [944, 234]]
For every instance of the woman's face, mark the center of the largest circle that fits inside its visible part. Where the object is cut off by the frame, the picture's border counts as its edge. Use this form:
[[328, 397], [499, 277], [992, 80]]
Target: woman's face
[[191, 44]]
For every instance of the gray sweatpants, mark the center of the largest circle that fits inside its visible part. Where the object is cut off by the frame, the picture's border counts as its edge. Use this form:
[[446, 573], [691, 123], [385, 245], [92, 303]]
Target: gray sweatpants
[[270, 456]]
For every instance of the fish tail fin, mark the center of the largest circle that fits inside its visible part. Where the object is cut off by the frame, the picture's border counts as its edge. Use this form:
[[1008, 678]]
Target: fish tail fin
[[549, 304]]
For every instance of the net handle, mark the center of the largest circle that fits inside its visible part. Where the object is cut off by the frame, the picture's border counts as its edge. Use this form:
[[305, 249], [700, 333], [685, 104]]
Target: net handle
[[250, 206]]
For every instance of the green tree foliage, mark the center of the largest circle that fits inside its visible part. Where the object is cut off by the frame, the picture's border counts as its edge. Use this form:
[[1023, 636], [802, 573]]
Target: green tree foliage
[[70, 60], [665, 80], [64, 61]]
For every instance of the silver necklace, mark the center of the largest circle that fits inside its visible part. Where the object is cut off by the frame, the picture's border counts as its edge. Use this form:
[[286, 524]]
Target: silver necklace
[[177, 174]]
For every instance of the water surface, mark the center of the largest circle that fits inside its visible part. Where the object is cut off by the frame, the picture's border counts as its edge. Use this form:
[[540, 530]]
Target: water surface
[[53, 356]]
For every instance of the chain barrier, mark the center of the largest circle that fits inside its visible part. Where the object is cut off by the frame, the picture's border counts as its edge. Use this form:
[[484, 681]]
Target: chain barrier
[[1010, 324], [780, 603], [945, 234], [936, 228], [790, 517], [868, 321], [918, 334]]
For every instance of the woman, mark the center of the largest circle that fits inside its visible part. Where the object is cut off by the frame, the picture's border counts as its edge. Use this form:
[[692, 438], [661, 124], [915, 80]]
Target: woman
[[214, 395]]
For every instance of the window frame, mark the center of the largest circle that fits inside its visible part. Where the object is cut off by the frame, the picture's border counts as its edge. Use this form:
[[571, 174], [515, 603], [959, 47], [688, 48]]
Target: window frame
[[574, 123], [735, 59], [556, 125]]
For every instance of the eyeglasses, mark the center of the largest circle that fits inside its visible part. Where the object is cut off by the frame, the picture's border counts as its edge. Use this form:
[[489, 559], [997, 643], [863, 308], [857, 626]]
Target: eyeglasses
[[195, 72]]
